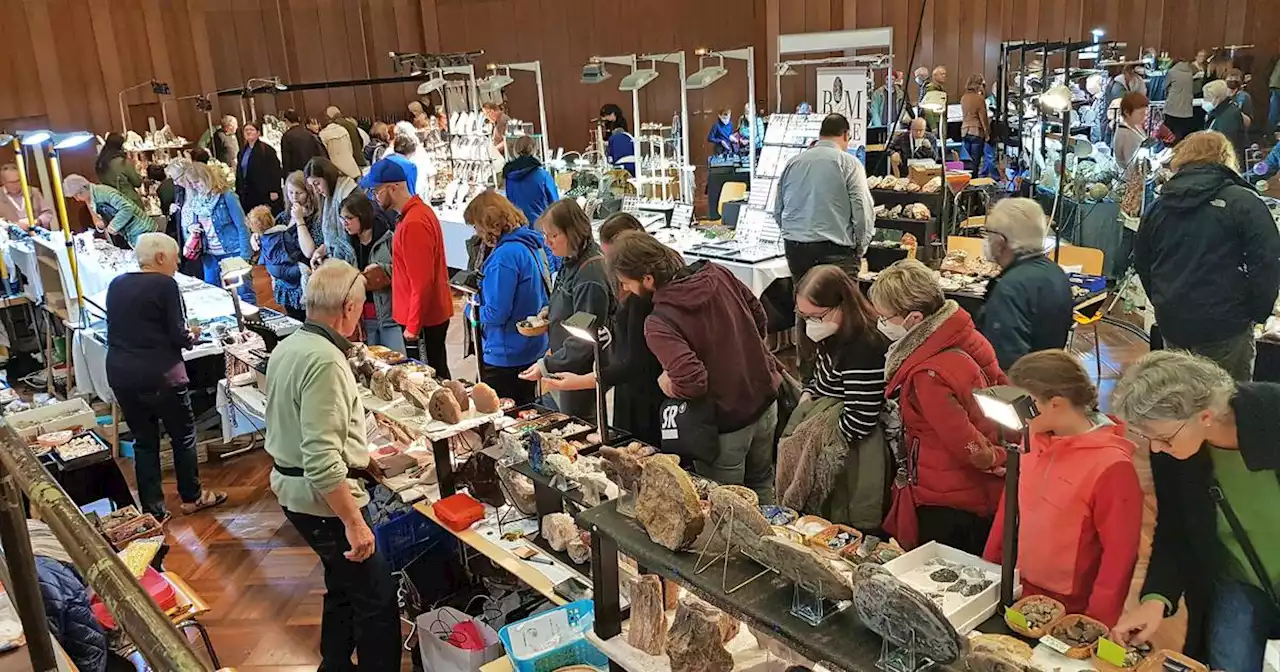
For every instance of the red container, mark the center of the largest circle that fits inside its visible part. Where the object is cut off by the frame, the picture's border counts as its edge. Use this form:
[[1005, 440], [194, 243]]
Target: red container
[[156, 586], [458, 512]]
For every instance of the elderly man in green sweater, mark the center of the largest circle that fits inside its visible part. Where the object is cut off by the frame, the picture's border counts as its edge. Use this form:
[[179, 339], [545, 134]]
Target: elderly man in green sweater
[[316, 437]]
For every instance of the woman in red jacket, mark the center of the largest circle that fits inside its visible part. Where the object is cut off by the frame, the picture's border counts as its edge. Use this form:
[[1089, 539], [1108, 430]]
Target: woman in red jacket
[[954, 469], [1080, 504]]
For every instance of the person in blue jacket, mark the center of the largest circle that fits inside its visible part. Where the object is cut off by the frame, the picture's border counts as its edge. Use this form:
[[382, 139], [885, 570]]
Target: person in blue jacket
[[621, 147], [721, 135], [276, 238], [529, 186], [514, 286], [214, 225]]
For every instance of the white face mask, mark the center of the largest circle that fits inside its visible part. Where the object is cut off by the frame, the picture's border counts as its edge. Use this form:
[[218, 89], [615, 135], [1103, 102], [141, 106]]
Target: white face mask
[[1208, 106], [891, 331], [819, 330], [724, 120], [988, 249]]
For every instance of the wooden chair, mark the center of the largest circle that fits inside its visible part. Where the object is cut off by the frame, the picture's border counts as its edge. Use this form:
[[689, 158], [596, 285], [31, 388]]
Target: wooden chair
[[731, 191], [188, 612]]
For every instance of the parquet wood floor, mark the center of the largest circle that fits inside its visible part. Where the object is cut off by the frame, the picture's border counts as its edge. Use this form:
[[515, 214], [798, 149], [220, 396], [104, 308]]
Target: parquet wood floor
[[265, 585]]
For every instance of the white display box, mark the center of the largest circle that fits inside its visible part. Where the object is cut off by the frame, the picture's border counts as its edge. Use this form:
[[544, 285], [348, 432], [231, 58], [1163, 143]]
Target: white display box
[[70, 414], [964, 613]]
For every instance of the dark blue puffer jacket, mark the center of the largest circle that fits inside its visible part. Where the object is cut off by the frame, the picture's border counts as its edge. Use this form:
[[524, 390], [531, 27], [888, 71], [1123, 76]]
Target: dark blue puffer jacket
[[71, 620]]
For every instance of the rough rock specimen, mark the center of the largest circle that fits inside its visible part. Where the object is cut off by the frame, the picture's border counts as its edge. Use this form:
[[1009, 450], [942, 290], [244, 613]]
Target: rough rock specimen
[[420, 398], [894, 610], [745, 494], [444, 407], [693, 643], [648, 616], [738, 518], [459, 393], [623, 465], [729, 627], [558, 529], [520, 487], [667, 505], [486, 399], [397, 376], [670, 594], [579, 551], [381, 386], [803, 564]]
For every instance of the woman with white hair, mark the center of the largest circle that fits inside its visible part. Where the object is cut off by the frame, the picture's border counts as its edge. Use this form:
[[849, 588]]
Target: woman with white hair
[[955, 463], [214, 225], [406, 148], [146, 334], [1028, 306], [1214, 457], [1225, 116], [112, 212]]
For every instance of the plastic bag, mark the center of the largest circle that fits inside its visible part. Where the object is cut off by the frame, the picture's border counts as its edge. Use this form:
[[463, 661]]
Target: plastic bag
[[446, 647]]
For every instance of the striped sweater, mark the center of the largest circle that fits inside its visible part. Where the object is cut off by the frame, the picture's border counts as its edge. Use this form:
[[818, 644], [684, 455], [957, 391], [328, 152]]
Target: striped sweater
[[855, 376]]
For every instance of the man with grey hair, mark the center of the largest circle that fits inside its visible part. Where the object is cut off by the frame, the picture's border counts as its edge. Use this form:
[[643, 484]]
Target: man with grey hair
[[146, 334], [1029, 304], [316, 439], [1223, 114], [13, 207], [1214, 451], [357, 141], [225, 144], [340, 145]]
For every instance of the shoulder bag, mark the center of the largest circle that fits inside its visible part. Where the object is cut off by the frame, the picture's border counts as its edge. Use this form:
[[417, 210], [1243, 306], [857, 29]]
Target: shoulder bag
[[1242, 538], [688, 426]]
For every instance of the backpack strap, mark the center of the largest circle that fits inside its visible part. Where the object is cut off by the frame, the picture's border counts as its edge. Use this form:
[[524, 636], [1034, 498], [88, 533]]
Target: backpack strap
[[1242, 538]]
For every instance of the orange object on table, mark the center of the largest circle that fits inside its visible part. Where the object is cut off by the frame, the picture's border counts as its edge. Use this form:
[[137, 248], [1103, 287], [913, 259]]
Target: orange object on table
[[459, 511], [156, 586]]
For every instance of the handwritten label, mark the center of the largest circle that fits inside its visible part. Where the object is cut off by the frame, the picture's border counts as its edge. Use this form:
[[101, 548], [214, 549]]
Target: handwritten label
[[1111, 652], [1016, 619], [1055, 644]]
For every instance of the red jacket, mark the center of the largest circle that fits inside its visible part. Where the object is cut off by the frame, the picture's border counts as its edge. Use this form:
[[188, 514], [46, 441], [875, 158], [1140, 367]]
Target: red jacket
[[953, 453], [420, 294], [1079, 521]]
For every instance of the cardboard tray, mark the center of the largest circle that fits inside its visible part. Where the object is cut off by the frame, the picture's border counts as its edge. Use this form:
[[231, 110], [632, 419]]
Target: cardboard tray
[[75, 413], [83, 461]]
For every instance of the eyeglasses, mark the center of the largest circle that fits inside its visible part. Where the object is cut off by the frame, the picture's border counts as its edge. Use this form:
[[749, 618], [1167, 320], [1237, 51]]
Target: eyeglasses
[[816, 318], [1166, 441]]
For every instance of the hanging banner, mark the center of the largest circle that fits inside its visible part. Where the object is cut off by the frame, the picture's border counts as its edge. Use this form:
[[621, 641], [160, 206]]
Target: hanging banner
[[843, 90]]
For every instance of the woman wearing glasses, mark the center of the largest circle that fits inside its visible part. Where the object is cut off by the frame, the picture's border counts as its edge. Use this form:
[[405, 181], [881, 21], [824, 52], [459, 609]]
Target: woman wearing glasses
[[1213, 458]]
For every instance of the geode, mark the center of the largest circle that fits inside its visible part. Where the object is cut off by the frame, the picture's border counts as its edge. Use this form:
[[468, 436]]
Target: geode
[[648, 624], [459, 393], [900, 614], [444, 407], [667, 505], [486, 398], [694, 641]]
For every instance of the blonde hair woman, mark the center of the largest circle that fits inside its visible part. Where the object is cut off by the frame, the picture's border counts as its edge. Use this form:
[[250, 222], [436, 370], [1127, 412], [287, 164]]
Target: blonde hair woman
[[111, 210], [213, 223], [1208, 255]]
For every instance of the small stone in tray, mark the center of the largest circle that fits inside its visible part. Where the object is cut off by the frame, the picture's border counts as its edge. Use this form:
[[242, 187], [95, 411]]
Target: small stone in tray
[[839, 541], [971, 572], [944, 575]]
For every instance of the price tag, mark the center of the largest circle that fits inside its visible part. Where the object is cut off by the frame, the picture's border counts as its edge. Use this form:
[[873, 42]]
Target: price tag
[[1015, 618], [1055, 644], [1111, 652]]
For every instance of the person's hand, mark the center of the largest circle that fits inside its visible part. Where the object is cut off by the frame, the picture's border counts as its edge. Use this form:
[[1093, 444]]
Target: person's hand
[[195, 331], [534, 372], [319, 257], [546, 310], [410, 335], [274, 196], [664, 383], [297, 213], [255, 241], [1140, 624], [111, 231], [571, 381], [360, 537], [374, 470], [805, 398]]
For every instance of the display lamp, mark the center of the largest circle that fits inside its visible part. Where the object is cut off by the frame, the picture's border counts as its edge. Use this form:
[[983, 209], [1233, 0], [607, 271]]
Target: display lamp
[[260, 84], [496, 81], [594, 72], [582, 326], [34, 138], [935, 101], [706, 74], [1012, 408], [433, 84], [1057, 99], [234, 272], [70, 140], [639, 79]]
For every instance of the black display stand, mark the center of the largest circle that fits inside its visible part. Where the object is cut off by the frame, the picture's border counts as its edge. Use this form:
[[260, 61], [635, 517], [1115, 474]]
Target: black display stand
[[840, 640]]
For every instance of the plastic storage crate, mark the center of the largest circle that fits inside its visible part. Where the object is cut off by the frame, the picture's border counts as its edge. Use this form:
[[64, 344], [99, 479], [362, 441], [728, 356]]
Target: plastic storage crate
[[404, 537], [553, 639]]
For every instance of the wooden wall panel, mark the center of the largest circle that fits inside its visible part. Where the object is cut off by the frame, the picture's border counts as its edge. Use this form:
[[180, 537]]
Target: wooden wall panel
[[90, 49]]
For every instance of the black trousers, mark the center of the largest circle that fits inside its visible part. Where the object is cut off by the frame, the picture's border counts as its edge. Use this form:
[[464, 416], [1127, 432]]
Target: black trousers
[[145, 412], [801, 258], [953, 527], [432, 349], [505, 380], [360, 611]]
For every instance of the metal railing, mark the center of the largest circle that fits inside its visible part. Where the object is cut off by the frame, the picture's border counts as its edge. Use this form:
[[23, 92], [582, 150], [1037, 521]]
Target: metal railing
[[155, 636]]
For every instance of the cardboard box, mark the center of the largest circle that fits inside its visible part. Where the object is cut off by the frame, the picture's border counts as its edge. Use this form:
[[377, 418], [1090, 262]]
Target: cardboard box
[[72, 414], [921, 174]]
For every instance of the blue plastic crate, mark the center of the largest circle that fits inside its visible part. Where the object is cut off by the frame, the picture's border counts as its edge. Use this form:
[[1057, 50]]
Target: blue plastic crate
[[1092, 283], [575, 649], [405, 537]]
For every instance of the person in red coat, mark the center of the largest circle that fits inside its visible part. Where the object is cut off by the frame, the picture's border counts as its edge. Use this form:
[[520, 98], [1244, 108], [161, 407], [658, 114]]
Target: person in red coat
[[421, 300], [954, 461], [1079, 500]]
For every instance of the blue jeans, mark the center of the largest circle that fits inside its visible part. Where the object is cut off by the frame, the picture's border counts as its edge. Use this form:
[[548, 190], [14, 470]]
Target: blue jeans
[[388, 337], [1241, 620], [974, 147], [213, 276], [1275, 110]]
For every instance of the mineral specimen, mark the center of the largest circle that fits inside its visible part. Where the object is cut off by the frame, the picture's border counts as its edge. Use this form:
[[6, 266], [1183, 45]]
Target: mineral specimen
[[459, 393], [420, 398], [558, 529], [944, 575], [694, 641], [381, 386], [648, 616], [667, 505], [444, 407], [738, 520], [885, 605], [803, 565], [486, 399]]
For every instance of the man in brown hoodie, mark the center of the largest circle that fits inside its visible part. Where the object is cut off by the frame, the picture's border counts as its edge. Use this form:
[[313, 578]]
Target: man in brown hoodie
[[707, 331]]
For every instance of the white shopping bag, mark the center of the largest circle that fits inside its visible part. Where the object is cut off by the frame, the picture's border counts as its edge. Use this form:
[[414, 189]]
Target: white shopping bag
[[439, 654]]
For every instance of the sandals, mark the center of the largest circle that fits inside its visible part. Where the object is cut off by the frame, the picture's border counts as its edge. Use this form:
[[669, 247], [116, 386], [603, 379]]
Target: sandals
[[208, 498]]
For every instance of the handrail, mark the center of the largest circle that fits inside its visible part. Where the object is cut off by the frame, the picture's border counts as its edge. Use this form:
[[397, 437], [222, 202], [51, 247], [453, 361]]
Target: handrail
[[156, 637]]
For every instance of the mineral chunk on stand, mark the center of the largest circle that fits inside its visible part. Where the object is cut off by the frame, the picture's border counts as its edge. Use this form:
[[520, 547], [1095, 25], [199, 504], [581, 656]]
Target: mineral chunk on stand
[[444, 407], [803, 565], [694, 642], [485, 398], [648, 616], [558, 529], [459, 393], [667, 505]]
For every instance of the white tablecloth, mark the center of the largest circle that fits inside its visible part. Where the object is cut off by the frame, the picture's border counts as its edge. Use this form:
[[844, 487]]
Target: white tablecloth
[[756, 276], [243, 410]]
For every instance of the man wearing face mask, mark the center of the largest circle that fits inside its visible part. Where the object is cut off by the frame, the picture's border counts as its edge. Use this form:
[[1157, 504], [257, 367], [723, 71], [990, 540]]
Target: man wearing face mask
[[721, 134], [824, 210], [1029, 305], [921, 79], [1224, 116]]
